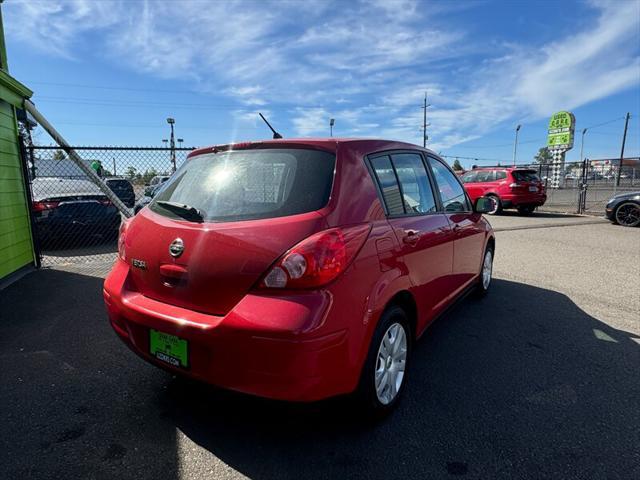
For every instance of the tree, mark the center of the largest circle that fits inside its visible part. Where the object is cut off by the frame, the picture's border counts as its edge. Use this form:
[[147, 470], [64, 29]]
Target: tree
[[59, 155], [130, 173], [543, 156], [456, 165]]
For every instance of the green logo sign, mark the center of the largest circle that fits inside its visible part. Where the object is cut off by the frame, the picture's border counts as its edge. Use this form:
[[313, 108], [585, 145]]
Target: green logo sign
[[561, 129]]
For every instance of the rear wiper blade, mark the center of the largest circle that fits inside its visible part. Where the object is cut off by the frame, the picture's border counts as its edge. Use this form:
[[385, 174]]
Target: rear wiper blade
[[185, 211]]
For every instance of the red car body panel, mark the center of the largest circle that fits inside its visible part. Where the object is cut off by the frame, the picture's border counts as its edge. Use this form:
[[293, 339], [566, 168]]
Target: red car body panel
[[512, 193], [301, 345]]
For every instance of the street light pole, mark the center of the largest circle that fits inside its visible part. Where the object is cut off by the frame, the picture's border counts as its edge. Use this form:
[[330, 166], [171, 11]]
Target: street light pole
[[172, 143], [582, 143], [515, 145], [332, 122]]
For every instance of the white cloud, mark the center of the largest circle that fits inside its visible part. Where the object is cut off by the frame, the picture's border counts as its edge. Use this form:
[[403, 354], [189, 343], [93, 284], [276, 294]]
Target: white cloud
[[367, 66]]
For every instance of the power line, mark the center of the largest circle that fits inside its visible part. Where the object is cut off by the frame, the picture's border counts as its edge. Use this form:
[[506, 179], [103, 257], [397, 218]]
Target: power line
[[605, 123]]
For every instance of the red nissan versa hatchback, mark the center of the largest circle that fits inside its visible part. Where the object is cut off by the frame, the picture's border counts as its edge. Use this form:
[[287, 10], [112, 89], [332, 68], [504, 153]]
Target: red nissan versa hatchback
[[519, 188], [298, 269]]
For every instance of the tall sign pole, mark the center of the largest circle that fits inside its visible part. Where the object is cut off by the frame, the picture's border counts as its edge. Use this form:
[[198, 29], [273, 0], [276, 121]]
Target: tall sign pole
[[560, 140]]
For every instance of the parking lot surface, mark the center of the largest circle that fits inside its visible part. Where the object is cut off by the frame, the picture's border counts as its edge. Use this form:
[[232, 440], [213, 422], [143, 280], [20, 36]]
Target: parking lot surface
[[538, 380]]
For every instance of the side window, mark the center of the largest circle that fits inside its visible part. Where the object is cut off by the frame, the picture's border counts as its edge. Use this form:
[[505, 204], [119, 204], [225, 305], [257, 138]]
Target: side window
[[388, 185], [469, 177], [485, 176], [451, 192], [416, 189], [501, 175]]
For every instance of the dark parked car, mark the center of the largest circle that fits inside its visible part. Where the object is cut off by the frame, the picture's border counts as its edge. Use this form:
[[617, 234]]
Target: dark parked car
[[155, 182], [149, 193], [624, 209], [71, 212], [123, 190]]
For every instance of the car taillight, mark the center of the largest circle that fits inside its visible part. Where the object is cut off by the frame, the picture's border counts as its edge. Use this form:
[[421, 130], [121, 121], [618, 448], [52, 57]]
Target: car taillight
[[515, 185], [317, 260], [42, 206], [121, 238]]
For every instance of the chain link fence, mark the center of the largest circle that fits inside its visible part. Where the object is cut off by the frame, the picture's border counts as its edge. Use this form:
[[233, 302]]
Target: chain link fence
[[75, 223], [587, 186]]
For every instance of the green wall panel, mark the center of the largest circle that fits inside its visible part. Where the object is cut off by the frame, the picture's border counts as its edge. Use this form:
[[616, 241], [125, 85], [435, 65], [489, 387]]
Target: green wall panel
[[16, 246]]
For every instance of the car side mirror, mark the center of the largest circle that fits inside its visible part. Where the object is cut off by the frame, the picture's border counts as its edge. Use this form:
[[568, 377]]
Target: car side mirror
[[484, 205]]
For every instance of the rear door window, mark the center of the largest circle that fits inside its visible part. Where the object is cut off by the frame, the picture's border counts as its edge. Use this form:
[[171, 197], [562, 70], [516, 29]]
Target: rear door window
[[525, 176], [501, 175], [485, 176], [416, 189], [469, 177], [388, 184], [250, 184], [451, 192]]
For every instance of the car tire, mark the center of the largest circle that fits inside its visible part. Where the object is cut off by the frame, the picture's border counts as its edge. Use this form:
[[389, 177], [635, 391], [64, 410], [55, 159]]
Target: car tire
[[627, 214], [497, 210], [526, 209], [384, 374], [486, 273]]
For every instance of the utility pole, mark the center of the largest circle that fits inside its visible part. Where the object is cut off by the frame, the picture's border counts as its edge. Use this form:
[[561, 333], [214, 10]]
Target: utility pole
[[172, 144], [624, 139], [515, 145], [425, 137]]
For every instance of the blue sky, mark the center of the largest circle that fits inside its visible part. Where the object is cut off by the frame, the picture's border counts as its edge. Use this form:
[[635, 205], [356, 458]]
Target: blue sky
[[110, 72]]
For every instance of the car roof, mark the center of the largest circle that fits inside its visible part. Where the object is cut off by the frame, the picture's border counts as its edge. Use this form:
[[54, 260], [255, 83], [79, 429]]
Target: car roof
[[322, 143], [501, 168]]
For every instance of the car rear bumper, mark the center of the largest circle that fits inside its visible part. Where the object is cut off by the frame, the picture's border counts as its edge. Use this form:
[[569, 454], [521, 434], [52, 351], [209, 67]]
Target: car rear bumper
[[265, 346], [53, 227], [536, 199]]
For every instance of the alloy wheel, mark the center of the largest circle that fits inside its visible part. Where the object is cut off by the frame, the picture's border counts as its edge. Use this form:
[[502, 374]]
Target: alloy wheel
[[628, 214], [496, 205], [487, 269], [390, 363]]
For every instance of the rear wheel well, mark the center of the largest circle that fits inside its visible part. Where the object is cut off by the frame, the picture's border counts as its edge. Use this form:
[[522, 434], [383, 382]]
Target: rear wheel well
[[405, 300]]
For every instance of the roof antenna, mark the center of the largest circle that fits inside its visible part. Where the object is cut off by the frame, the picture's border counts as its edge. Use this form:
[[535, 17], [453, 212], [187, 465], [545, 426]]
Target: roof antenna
[[275, 134]]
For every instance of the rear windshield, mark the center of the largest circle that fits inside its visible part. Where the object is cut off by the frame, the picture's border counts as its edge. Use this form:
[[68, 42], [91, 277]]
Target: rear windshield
[[119, 184], [525, 176], [250, 184]]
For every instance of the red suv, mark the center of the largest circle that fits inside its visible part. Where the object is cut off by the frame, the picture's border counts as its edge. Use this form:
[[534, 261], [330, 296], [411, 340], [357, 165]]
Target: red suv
[[298, 269], [508, 188]]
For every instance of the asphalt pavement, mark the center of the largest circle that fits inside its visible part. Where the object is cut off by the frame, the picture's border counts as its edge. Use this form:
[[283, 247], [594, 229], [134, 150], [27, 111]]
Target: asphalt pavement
[[540, 379]]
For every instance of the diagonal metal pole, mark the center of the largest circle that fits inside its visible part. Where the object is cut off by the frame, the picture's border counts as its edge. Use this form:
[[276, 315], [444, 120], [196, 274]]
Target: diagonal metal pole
[[75, 158]]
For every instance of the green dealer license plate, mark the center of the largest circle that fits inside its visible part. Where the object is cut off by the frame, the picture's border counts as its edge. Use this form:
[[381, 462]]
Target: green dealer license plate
[[169, 348]]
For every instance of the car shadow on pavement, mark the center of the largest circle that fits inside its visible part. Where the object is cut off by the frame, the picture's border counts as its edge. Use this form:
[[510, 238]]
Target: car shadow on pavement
[[74, 401], [521, 384]]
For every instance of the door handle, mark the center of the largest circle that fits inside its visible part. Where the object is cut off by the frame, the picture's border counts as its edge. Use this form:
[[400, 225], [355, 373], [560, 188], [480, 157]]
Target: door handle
[[411, 236]]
